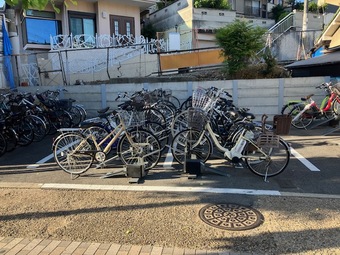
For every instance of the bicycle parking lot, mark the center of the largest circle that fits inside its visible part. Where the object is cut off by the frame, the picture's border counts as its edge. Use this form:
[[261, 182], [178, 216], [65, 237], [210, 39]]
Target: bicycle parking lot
[[313, 168]]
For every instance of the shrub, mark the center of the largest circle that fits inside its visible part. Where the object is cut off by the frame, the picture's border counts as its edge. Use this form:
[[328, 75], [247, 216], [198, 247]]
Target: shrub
[[240, 42]]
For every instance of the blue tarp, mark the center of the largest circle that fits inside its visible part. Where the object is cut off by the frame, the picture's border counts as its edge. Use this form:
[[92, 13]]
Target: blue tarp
[[7, 57]]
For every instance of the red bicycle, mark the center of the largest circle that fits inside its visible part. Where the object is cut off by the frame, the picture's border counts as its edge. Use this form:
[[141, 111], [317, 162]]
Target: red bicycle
[[306, 111]]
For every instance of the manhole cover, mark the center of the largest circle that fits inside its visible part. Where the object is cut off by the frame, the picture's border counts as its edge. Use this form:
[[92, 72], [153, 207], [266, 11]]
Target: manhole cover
[[231, 216]]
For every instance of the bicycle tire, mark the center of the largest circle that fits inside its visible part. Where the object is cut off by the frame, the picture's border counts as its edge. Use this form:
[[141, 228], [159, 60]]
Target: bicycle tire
[[76, 115], [11, 139], [174, 101], [82, 110], [186, 104], [25, 132], [154, 115], [286, 109], [336, 106], [132, 153], [304, 120], [99, 133], [3, 145], [167, 112], [160, 132], [71, 153], [182, 146], [279, 159], [179, 123], [38, 126]]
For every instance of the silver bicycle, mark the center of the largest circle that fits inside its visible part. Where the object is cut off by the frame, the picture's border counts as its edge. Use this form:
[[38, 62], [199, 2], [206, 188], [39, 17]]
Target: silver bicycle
[[264, 153]]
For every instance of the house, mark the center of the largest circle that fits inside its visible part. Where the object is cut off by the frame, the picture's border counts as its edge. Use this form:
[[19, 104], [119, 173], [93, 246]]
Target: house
[[33, 32], [325, 54], [196, 26], [31, 29], [88, 41]]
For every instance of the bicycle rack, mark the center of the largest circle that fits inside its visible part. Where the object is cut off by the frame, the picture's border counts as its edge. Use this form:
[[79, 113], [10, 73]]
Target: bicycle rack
[[319, 123]]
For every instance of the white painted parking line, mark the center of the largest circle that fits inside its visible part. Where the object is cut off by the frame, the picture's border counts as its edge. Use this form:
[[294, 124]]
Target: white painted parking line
[[47, 158], [168, 159], [161, 189], [42, 161], [304, 161]]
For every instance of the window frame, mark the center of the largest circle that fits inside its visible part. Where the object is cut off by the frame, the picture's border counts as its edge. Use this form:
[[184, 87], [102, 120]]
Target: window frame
[[25, 30], [82, 15]]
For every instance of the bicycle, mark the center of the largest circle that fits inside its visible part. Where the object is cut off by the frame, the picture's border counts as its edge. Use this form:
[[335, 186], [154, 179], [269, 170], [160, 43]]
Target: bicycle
[[264, 153], [306, 111], [75, 152]]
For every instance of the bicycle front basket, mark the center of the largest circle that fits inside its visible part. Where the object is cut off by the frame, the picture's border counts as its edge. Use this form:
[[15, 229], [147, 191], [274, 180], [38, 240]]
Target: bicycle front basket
[[200, 99], [132, 118]]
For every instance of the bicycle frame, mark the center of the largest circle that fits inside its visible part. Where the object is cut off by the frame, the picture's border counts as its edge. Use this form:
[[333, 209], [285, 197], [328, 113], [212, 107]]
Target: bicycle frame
[[245, 136], [328, 102]]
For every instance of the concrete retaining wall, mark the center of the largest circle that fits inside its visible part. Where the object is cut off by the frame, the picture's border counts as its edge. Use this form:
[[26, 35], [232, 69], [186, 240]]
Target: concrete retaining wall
[[261, 96]]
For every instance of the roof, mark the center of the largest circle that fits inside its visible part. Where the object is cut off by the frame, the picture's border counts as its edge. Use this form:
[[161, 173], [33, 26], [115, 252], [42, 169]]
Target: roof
[[328, 59]]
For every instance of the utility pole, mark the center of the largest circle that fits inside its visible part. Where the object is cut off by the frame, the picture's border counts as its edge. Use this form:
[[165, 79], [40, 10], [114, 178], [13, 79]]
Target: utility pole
[[301, 48], [304, 18]]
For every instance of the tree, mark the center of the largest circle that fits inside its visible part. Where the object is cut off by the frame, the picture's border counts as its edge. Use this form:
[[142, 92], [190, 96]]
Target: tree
[[37, 4], [240, 42], [148, 31], [214, 4], [164, 3], [278, 12]]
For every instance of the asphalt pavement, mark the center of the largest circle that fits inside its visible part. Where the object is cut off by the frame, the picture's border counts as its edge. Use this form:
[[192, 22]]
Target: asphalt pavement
[[313, 173]]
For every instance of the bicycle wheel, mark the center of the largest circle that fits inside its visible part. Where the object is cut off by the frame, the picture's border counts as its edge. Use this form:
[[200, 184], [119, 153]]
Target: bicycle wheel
[[160, 132], [167, 112], [186, 104], [38, 126], [11, 138], [76, 115], [82, 110], [3, 144], [275, 164], [72, 152], [336, 106], [99, 134], [287, 108], [154, 115], [179, 123], [305, 118], [145, 147], [25, 132], [185, 145], [65, 120], [174, 100]]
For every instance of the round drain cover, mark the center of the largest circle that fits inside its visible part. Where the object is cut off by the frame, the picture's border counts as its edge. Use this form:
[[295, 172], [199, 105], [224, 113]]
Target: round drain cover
[[231, 216]]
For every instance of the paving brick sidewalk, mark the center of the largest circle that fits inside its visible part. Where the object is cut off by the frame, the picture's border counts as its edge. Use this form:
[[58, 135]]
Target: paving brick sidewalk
[[21, 246]]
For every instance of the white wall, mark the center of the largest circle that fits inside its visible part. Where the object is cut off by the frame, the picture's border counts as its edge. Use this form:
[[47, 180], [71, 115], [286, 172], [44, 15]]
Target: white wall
[[262, 96]]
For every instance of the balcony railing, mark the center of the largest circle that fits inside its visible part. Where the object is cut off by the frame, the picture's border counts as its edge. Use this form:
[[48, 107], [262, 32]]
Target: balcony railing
[[84, 41]]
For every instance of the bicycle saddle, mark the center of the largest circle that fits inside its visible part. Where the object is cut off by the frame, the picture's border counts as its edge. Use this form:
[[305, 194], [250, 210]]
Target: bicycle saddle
[[247, 125], [104, 110], [247, 115], [307, 97]]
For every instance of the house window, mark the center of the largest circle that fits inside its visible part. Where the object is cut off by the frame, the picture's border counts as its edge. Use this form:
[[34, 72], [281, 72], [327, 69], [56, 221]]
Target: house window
[[38, 31], [116, 28], [82, 23], [121, 25]]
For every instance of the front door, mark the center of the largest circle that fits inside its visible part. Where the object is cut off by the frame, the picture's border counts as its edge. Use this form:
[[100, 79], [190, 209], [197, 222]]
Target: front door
[[121, 25]]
